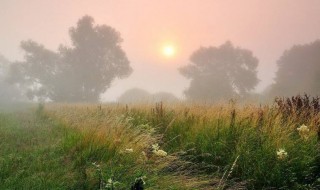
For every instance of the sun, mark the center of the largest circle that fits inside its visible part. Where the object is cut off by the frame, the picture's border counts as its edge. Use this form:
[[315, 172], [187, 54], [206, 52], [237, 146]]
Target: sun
[[168, 51]]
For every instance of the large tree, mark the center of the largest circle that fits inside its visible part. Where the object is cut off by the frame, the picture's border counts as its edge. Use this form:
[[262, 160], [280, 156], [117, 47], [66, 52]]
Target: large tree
[[298, 71], [79, 73], [220, 72]]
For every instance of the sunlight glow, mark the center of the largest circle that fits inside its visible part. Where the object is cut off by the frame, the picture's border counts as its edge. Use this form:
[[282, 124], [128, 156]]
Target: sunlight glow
[[169, 51]]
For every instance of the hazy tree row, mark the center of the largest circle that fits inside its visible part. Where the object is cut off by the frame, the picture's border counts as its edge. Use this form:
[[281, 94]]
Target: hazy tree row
[[83, 71], [137, 95]]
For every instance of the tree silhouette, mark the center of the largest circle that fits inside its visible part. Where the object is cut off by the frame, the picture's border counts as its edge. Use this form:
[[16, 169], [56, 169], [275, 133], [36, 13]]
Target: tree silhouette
[[298, 71], [165, 97], [3, 65], [8, 93], [135, 95], [220, 72], [79, 73]]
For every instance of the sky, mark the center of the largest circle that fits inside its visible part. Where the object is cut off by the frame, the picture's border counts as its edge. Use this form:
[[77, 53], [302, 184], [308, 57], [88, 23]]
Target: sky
[[266, 27]]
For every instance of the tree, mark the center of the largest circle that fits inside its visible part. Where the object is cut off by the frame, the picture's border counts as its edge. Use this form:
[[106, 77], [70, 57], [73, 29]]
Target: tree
[[3, 65], [134, 95], [79, 73], [8, 93], [165, 97], [298, 71], [35, 75], [137, 95], [220, 72]]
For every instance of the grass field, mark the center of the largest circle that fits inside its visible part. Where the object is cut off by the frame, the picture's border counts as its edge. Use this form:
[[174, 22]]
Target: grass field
[[160, 146]]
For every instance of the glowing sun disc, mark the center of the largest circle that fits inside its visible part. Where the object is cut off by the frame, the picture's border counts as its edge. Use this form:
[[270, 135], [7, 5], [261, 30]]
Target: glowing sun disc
[[168, 51]]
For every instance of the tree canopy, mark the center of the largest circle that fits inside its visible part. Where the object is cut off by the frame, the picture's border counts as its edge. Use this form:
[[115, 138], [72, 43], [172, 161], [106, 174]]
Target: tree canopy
[[298, 71], [220, 72], [76, 73], [8, 93]]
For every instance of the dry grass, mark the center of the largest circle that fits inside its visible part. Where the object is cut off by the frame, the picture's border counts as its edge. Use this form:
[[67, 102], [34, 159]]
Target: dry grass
[[202, 141]]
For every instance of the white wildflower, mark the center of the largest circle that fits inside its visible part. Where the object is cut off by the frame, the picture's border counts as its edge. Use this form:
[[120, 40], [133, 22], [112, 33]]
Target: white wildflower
[[282, 154], [129, 150], [161, 153], [157, 151], [95, 165], [111, 184], [155, 147], [303, 131], [141, 178]]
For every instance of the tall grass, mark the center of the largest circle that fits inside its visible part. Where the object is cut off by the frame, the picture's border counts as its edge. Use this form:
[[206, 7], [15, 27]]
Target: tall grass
[[206, 140], [211, 138], [112, 144], [223, 146]]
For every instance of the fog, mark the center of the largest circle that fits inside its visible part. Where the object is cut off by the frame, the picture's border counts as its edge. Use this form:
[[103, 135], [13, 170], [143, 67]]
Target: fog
[[265, 28]]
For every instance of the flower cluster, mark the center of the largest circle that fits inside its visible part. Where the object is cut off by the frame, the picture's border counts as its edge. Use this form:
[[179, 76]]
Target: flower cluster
[[282, 154], [128, 150], [303, 131], [155, 147], [161, 153], [142, 178], [157, 151]]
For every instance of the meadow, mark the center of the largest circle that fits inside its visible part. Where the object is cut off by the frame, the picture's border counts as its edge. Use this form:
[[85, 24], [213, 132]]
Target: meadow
[[162, 146]]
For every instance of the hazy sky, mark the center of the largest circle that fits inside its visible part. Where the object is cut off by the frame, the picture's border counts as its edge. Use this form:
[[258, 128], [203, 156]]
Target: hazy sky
[[266, 27]]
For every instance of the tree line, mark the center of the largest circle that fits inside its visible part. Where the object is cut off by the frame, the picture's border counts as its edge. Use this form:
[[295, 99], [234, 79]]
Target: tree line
[[84, 70]]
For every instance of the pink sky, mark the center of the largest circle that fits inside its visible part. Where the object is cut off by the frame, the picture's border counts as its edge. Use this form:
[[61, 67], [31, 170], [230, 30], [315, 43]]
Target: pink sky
[[266, 27]]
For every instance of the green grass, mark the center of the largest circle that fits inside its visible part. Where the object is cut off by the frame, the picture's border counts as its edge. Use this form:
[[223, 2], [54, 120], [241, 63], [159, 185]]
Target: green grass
[[39, 152], [209, 147], [30, 155]]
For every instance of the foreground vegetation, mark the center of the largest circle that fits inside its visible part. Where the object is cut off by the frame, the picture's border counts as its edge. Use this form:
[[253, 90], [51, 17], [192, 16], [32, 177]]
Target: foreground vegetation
[[162, 147]]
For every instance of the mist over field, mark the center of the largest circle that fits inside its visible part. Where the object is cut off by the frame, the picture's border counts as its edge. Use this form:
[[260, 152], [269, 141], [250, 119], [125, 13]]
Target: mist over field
[[99, 51], [160, 95]]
